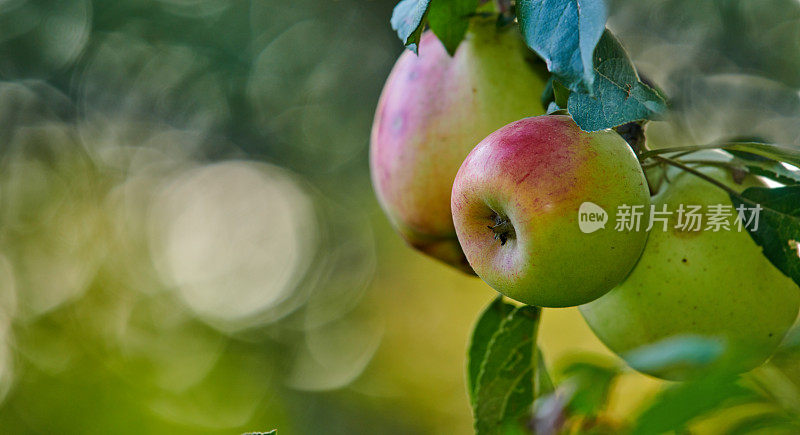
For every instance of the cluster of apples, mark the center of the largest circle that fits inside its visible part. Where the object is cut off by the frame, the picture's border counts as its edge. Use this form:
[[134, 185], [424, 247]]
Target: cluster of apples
[[470, 171]]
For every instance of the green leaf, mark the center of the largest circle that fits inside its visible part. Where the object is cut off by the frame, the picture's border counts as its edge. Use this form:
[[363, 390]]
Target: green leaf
[[560, 94], [774, 171], [564, 33], [619, 95], [592, 383], [778, 230], [408, 20], [680, 403], [544, 385], [449, 20], [765, 167], [488, 324], [582, 392], [744, 155], [780, 153], [777, 423], [503, 389], [676, 353]]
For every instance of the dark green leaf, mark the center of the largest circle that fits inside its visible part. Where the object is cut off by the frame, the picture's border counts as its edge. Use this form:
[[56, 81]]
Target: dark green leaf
[[778, 229], [408, 20], [560, 94], [765, 167], [564, 33], [449, 20], [780, 153], [504, 386], [744, 155], [680, 403], [619, 96], [774, 171], [488, 324]]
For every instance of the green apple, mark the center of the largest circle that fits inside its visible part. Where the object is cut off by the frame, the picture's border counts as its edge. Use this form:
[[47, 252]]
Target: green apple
[[516, 203], [433, 110], [712, 284]]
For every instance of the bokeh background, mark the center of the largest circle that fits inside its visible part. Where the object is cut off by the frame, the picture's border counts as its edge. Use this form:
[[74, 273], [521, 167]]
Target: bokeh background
[[189, 242]]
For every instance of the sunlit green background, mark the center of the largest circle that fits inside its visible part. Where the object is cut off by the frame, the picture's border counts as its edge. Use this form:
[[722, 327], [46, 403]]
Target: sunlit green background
[[189, 242]]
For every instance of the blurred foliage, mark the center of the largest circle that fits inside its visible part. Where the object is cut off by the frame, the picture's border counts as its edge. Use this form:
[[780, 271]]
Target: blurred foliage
[[147, 288], [188, 238], [729, 67], [719, 401]]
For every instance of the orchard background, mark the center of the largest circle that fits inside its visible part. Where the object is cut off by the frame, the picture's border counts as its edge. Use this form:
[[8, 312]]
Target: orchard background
[[190, 243]]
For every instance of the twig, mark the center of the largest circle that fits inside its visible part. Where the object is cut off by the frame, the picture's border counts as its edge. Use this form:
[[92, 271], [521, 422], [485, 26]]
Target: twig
[[705, 177], [690, 148]]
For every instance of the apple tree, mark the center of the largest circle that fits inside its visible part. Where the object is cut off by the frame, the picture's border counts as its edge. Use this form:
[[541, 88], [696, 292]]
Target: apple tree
[[501, 122]]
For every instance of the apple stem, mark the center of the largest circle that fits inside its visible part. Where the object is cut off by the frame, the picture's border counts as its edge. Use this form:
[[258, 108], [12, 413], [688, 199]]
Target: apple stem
[[502, 228]]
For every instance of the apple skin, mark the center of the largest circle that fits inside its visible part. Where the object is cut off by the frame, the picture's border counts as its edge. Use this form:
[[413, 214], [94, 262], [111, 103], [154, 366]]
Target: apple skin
[[716, 285], [535, 174], [433, 110]]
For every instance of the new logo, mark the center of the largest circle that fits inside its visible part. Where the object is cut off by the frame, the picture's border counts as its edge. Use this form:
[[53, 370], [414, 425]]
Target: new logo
[[591, 217]]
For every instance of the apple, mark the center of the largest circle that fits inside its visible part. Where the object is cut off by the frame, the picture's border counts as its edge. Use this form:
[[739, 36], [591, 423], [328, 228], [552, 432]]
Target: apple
[[516, 202], [712, 284], [433, 110]]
